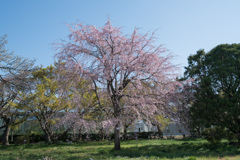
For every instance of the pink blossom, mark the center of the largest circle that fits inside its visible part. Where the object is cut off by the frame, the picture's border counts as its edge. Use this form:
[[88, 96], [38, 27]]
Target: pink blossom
[[136, 74]]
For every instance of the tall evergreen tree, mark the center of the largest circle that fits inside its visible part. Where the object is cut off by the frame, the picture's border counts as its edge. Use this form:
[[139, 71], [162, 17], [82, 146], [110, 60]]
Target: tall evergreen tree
[[217, 77]]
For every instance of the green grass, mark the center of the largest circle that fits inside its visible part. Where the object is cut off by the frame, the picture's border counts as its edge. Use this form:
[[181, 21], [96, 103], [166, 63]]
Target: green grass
[[189, 149]]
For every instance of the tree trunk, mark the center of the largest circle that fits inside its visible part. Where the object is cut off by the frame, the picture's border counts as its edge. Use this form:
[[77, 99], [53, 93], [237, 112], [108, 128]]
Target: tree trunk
[[80, 135], [238, 138], [117, 112], [11, 135], [125, 133], [160, 133], [198, 132], [6, 135], [102, 134], [48, 137], [117, 137], [47, 132]]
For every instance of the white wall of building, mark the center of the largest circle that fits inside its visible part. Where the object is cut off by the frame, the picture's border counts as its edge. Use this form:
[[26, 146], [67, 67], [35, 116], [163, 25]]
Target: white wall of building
[[172, 128]]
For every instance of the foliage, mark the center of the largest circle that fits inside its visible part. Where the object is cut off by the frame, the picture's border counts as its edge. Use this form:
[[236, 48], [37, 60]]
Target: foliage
[[46, 102], [22, 140], [192, 158], [231, 137], [29, 127], [36, 137], [214, 135], [85, 115], [162, 121], [14, 80], [217, 82]]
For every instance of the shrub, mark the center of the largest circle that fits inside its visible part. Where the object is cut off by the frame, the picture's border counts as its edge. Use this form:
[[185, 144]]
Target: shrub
[[140, 135], [34, 137], [231, 137], [191, 158], [22, 140], [214, 135]]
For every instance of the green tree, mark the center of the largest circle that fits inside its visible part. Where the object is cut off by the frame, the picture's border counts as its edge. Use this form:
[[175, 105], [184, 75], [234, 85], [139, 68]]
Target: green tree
[[217, 77], [160, 121], [47, 102]]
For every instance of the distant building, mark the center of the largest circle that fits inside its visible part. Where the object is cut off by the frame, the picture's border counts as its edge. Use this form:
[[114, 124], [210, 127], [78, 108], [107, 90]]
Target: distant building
[[172, 129]]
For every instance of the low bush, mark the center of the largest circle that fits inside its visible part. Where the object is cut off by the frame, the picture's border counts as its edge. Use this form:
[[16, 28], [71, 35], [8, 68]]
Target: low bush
[[231, 137], [192, 158], [214, 135], [35, 138], [22, 140]]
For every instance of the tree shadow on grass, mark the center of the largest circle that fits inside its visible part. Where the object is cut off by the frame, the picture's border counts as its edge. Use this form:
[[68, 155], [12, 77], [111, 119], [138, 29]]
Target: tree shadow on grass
[[189, 139], [164, 150], [61, 145], [176, 151]]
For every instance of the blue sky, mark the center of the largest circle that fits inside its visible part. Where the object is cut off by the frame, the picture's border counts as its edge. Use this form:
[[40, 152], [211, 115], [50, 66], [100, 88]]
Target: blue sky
[[184, 26]]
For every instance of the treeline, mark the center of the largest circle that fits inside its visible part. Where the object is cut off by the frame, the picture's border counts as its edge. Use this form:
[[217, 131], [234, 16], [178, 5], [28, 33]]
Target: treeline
[[103, 81], [85, 137], [56, 101]]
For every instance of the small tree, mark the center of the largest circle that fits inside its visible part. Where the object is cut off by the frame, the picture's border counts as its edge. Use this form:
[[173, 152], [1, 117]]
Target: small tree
[[113, 62], [14, 79], [47, 103]]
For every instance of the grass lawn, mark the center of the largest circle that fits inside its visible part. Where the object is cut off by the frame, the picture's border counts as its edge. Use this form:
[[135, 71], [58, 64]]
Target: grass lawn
[[188, 149]]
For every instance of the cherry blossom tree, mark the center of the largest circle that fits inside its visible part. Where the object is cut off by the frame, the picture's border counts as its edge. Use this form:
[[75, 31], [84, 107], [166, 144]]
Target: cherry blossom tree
[[114, 62]]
